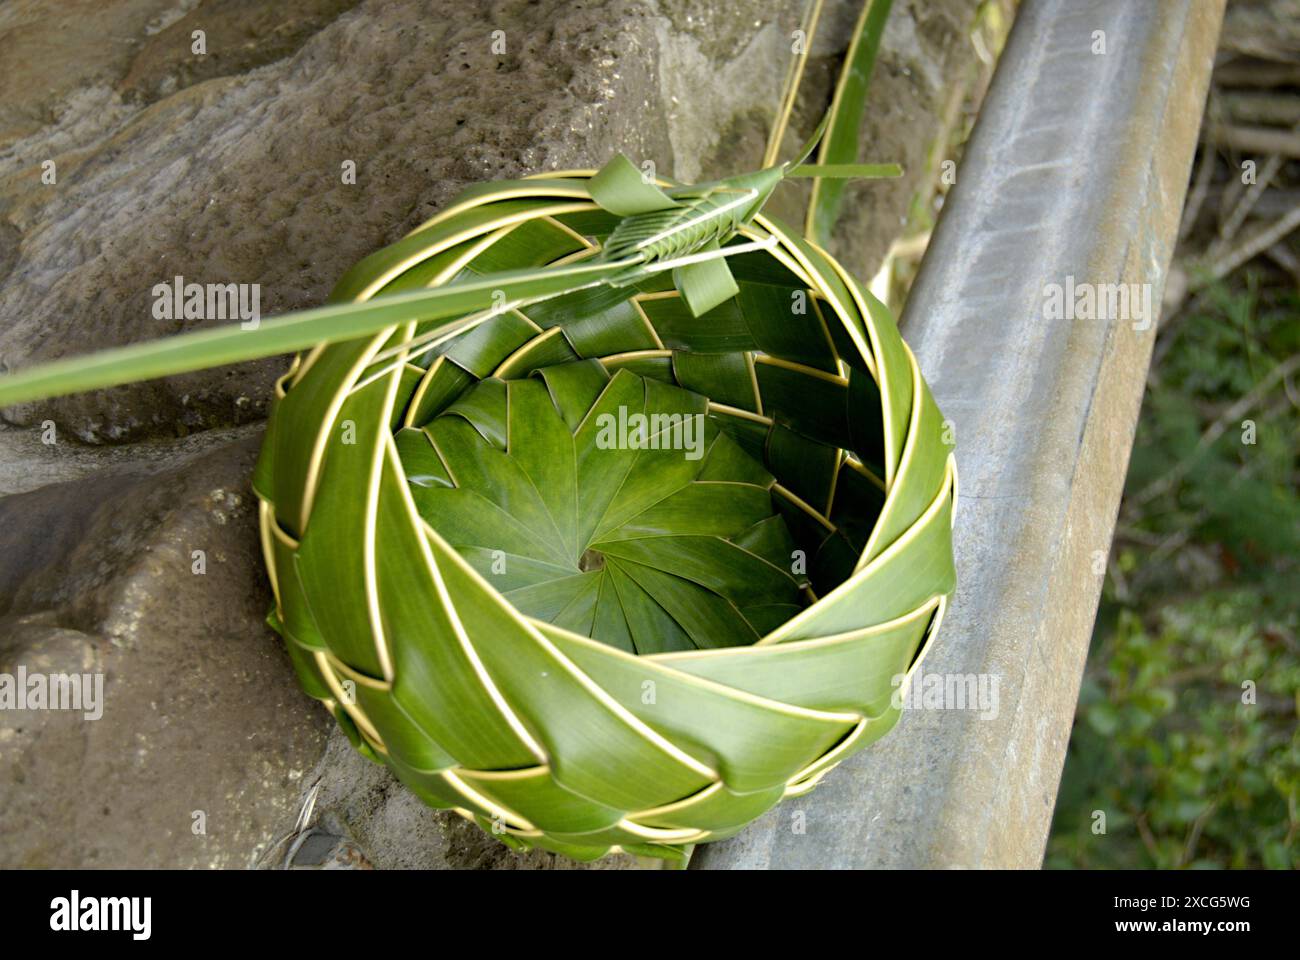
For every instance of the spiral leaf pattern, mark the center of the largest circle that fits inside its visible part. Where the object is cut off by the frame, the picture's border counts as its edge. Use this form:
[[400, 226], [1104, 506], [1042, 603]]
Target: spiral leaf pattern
[[474, 610]]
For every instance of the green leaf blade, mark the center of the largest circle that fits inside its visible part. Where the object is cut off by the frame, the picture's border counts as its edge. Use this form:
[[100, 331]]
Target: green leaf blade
[[840, 145], [292, 332]]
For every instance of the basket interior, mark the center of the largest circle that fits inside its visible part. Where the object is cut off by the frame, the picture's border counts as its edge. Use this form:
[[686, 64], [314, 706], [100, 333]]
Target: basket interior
[[747, 489]]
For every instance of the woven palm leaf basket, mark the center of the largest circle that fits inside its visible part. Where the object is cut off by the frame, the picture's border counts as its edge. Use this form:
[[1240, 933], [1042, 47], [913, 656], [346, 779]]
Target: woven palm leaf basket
[[605, 510], [586, 640]]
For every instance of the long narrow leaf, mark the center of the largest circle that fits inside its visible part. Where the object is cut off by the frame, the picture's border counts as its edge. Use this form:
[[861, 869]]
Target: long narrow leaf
[[811, 17], [292, 331], [840, 145], [847, 171]]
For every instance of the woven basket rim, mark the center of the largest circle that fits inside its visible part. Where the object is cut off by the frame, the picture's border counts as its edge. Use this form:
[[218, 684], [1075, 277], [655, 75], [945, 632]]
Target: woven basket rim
[[566, 189]]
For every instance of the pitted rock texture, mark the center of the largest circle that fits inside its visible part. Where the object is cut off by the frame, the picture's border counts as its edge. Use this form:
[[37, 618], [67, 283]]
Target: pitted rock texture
[[228, 168], [150, 580]]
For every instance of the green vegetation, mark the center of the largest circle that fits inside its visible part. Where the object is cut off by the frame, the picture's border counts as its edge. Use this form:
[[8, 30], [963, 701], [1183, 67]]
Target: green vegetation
[[1200, 611]]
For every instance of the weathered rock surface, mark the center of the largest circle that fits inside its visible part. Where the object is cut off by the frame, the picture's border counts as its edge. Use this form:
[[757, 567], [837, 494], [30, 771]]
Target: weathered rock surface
[[99, 577], [227, 168]]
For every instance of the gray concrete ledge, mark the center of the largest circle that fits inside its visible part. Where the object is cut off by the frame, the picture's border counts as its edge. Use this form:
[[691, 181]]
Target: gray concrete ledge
[[1077, 168]]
